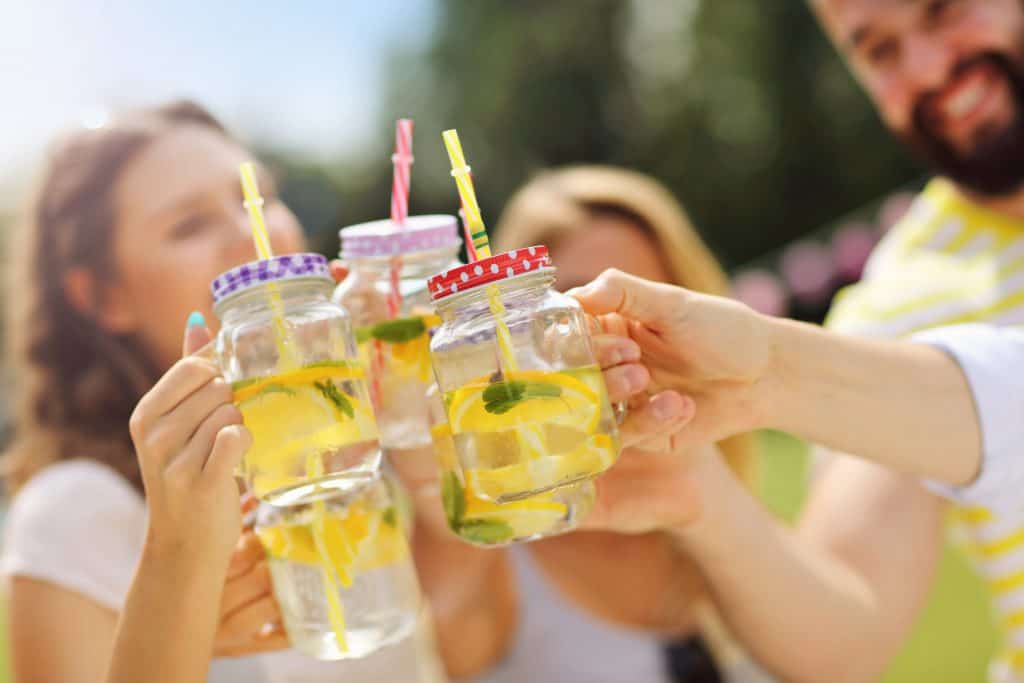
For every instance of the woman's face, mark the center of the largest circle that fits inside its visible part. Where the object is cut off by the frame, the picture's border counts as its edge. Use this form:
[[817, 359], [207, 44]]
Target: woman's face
[[606, 241], [180, 223]]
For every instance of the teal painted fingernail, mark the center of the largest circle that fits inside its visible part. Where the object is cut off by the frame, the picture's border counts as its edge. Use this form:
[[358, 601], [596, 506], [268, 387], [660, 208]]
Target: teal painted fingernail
[[196, 319]]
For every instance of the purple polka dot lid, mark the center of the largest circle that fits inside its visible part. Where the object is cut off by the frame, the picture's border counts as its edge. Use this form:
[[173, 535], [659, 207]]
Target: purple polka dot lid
[[276, 269], [387, 238]]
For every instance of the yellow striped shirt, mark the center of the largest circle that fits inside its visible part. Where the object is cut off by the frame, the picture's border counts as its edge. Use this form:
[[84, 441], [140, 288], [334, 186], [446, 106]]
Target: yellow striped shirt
[[950, 261]]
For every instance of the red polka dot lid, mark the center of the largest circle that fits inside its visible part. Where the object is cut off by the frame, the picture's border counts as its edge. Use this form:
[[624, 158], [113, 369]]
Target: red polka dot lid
[[495, 268]]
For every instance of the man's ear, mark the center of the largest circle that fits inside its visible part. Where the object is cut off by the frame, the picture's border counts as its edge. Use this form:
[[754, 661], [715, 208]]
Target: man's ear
[[110, 307]]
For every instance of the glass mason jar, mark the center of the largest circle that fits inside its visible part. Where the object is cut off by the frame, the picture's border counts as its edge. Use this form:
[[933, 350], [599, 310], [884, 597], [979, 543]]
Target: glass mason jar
[[525, 399], [479, 521], [393, 333], [290, 356], [342, 570]]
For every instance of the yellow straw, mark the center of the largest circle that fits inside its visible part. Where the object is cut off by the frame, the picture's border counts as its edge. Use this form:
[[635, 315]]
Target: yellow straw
[[482, 246], [328, 579], [254, 204], [460, 171]]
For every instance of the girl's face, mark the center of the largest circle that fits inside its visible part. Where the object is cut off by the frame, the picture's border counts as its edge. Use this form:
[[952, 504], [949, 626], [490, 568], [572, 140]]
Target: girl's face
[[607, 241], [180, 223]]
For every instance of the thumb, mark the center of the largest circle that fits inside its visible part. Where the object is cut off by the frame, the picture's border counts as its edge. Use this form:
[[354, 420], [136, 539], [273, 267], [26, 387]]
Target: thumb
[[647, 302], [196, 334]]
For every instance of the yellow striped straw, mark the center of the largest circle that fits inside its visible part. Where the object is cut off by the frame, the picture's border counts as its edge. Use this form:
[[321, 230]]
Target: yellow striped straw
[[464, 181], [481, 245], [254, 204]]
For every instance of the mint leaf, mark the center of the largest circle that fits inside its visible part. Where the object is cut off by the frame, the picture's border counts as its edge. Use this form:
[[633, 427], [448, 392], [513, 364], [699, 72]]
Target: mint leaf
[[453, 498], [542, 390], [497, 392], [398, 331], [332, 394], [486, 530], [501, 397], [389, 517]]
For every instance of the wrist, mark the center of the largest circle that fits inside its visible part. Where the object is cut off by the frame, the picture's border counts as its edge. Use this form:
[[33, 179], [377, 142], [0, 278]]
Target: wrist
[[780, 383], [182, 554], [711, 482]]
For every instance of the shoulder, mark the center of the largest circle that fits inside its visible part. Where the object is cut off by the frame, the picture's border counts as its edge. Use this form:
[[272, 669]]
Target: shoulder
[[78, 524]]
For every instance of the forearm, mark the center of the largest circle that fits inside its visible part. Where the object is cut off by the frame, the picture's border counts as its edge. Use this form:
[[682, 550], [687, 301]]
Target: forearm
[[799, 610], [641, 581], [473, 598], [166, 630], [906, 406]]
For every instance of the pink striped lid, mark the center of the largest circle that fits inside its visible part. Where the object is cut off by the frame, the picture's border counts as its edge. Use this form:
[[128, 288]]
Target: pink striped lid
[[387, 238]]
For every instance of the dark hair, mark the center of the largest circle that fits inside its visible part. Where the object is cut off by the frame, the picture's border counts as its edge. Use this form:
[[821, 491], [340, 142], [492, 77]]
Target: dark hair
[[77, 383]]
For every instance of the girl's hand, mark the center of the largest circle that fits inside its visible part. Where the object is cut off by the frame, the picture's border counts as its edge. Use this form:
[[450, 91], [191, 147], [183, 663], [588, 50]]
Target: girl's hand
[[250, 621], [189, 437]]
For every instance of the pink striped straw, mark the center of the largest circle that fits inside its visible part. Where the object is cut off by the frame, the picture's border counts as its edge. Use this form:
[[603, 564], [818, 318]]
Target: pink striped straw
[[402, 160]]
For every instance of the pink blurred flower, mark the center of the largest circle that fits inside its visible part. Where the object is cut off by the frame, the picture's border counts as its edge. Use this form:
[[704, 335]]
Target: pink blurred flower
[[808, 271], [761, 290], [851, 246]]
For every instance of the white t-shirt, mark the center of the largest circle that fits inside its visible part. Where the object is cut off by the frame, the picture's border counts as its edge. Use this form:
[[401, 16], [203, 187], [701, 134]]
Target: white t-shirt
[[557, 643], [992, 359], [79, 525]]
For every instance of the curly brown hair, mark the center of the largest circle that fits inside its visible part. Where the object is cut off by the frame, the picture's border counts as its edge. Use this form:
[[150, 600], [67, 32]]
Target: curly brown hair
[[77, 383]]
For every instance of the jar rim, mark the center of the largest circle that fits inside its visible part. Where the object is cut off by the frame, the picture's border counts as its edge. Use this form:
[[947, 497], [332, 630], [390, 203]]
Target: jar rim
[[220, 306]]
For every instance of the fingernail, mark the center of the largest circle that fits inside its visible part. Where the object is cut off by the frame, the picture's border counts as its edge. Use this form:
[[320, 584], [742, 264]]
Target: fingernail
[[635, 378], [665, 408], [631, 352], [196, 319]]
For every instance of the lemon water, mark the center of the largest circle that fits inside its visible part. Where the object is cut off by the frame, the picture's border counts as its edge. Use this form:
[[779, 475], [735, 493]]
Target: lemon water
[[315, 419], [478, 521], [526, 432], [366, 556], [397, 352]]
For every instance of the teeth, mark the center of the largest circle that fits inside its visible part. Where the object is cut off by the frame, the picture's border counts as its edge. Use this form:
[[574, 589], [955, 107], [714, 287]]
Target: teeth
[[965, 100]]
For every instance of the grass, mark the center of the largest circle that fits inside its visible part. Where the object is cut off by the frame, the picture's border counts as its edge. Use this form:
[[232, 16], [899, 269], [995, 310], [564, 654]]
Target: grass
[[954, 637]]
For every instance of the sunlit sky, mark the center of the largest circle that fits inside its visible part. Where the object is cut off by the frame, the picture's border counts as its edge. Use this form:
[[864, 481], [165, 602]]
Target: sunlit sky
[[306, 74]]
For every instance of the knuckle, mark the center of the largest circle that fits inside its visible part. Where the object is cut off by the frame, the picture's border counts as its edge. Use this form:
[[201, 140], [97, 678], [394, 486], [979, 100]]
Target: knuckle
[[157, 438], [222, 390], [138, 421], [227, 414]]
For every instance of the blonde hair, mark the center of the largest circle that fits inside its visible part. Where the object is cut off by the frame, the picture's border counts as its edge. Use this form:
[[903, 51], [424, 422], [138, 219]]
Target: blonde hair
[[561, 201]]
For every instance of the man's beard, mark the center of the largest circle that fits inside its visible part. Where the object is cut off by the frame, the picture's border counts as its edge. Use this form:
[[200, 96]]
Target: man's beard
[[995, 166]]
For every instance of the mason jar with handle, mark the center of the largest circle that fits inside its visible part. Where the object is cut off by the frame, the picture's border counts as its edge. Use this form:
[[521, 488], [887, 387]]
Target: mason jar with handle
[[290, 356], [342, 570], [386, 294], [525, 399]]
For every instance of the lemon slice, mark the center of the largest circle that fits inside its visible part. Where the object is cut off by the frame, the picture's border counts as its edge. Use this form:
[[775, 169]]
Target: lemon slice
[[578, 405], [590, 458], [327, 370], [385, 546], [525, 518], [289, 542]]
